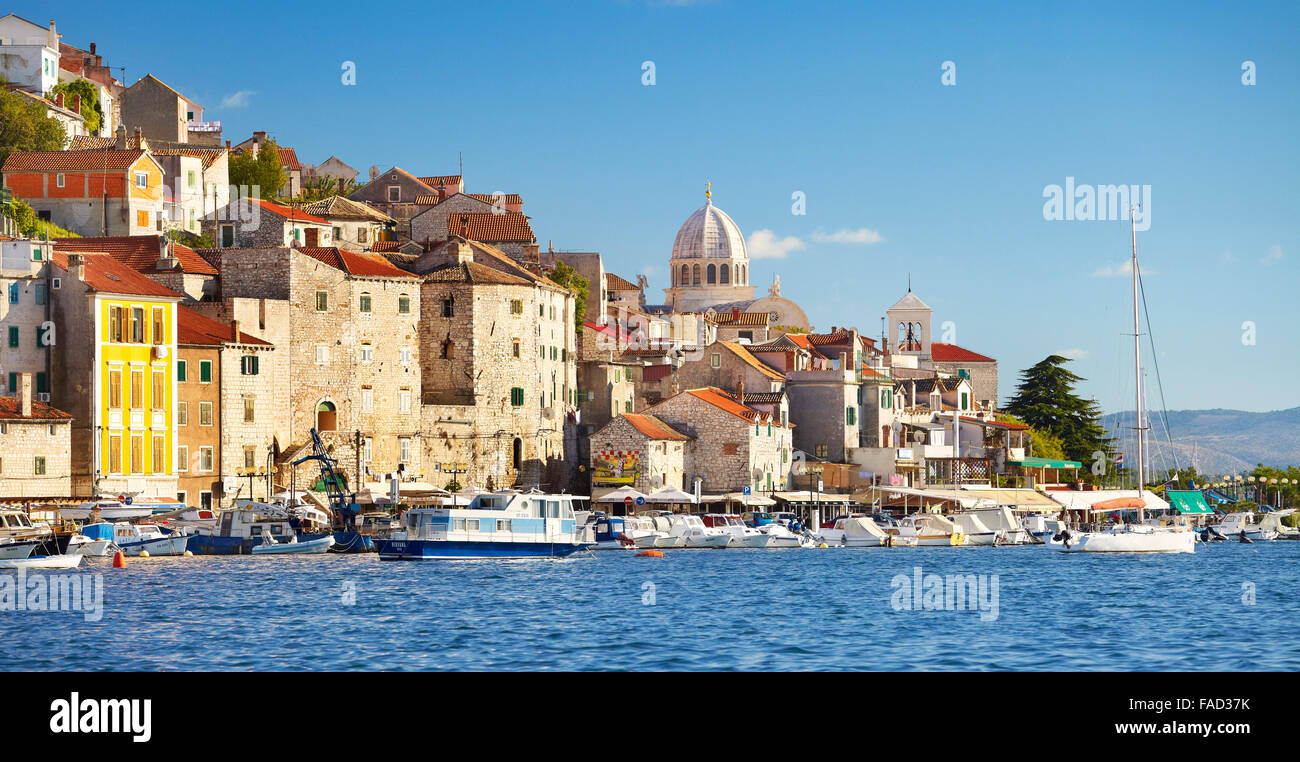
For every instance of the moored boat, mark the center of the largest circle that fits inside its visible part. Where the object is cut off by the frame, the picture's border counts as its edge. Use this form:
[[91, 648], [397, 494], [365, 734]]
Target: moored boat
[[131, 539], [270, 546], [505, 524], [696, 535], [61, 561]]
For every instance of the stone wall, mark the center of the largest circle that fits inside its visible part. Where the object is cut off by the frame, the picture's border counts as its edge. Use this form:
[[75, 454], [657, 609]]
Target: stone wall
[[662, 462], [21, 441], [983, 378]]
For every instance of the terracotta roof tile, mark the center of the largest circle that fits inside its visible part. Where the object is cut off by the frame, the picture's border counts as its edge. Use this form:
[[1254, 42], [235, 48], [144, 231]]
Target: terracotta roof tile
[[140, 252], [10, 411], [288, 212], [473, 272], [723, 401], [107, 275], [953, 353], [745, 355], [447, 180], [358, 263], [653, 427], [71, 161], [486, 226], [615, 283], [198, 329], [338, 207], [510, 199]]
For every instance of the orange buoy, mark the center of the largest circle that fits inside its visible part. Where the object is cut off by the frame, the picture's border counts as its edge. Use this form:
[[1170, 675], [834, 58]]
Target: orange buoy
[[651, 554], [119, 560]]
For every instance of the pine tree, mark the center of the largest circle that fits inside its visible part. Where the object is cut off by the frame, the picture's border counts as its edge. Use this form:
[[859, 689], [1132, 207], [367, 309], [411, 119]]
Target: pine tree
[[264, 176], [1045, 400]]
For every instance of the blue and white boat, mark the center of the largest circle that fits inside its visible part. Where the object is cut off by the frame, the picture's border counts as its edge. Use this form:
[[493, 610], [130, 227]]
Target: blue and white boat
[[133, 538], [504, 524]]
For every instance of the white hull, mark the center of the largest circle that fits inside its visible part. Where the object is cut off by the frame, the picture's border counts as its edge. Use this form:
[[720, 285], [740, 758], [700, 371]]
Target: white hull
[[708, 541], [613, 545], [66, 561], [166, 546], [1123, 541], [667, 541], [311, 547], [982, 538], [752, 541], [14, 551], [94, 548]]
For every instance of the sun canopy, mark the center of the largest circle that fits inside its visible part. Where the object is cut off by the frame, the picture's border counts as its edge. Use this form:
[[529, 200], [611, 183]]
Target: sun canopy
[[1016, 499], [1188, 501], [1095, 500], [670, 495], [620, 495], [1045, 463]]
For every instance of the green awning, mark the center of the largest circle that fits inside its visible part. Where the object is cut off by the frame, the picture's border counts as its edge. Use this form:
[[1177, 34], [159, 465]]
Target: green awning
[[1045, 463], [1187, 501]]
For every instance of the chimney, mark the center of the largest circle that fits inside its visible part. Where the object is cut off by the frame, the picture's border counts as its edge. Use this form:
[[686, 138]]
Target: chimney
[[844, 361], [227, 146], [464, 252], [740, 391], [76, 102], [77, 266], [166, 255], [92, 48], [464, 226], [442, 191], [139, 136], [58, 99], [234, 331], [374, 172], [259, 137], [54, 36], [532, 254], [119, 137], [25, 395]]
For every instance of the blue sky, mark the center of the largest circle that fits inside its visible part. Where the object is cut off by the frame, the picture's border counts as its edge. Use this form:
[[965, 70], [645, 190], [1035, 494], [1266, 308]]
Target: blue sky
[[843, 102]]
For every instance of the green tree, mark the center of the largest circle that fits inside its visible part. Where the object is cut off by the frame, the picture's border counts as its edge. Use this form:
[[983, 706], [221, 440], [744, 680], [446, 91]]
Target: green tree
[[91, 111], [319, 188], [24, 125], [569, 278], [1045, 400], [264, 176]]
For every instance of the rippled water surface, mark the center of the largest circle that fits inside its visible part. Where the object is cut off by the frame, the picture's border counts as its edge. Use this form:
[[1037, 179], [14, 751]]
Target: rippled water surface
[[692, 610]]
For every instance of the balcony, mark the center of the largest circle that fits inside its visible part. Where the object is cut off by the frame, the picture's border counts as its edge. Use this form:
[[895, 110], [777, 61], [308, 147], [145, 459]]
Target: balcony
[[137, 419], [159, 420], [204, 126]]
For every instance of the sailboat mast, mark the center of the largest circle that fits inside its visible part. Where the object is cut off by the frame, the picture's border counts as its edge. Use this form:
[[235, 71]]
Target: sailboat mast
[[1137, 368]]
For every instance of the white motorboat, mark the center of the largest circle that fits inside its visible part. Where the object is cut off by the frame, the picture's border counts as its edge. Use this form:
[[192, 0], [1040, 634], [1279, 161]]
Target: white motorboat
[[695, 533], [928, 530], [134, 538], [663, 527], [1042, 527], [89, 546], [1244, 521], [64, 561], [780, 536], [623, 533], [864, 532], [271, 546], [992, 526], [742, 535], [1272, 522], [976, 531], [106, 510], [14, 549]]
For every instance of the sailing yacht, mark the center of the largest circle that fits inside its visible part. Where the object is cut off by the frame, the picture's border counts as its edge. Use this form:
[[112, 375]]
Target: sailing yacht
[[1140, 537]]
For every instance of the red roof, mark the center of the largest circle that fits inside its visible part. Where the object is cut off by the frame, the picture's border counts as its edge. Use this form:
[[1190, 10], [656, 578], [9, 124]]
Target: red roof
[[107, 275], [653, 427], [288, 212], [357, 263], [140, 252], [953, 353], [71, 161], [486, 226], [724, 401], [9, 410], [616, 283], [195, 328]]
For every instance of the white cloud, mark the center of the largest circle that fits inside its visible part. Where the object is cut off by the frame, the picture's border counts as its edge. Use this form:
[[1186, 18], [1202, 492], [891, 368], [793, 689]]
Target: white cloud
[[1074, 354], [237, 99], [763, 244], [844, 235], [1273, 256], [1124, 268]]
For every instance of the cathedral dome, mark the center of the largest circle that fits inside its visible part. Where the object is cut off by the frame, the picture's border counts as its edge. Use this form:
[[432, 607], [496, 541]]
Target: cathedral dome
[[709, 234]]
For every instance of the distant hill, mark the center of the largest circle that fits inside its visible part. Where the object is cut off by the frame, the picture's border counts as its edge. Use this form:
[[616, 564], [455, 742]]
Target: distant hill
[[1221, 441]]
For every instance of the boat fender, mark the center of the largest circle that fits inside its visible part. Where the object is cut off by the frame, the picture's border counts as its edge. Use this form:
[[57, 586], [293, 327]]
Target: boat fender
[[187, 554], [144, 554], [119, 560]]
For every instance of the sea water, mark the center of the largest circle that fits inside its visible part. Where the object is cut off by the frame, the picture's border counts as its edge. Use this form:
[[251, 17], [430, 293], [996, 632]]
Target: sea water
[[1228, 606]]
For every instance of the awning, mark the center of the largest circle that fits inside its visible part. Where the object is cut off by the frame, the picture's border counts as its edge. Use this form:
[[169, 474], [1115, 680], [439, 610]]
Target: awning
[[750, 500], [1045, 463], [1188, 501], [1017, 499], [1090, 500]]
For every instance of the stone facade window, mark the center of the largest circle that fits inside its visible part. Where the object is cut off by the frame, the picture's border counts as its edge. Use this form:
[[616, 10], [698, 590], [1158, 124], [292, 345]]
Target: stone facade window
[[183, 458], [404, 449], [404, 401], [38, 467], [367, 399], [367, 354], [449, 306], [404, 304], [248, 365], [515, 347], [448, 349], [182, 414], [322, 301], [249, 410], [364, 303], [205, 459], [517, 307], [404, 355], [517, 396], [326, 417], [205, 413], [322, 354]]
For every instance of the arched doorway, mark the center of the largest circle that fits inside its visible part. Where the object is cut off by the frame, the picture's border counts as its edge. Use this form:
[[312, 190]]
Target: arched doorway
[[517, 453], [326, 417]]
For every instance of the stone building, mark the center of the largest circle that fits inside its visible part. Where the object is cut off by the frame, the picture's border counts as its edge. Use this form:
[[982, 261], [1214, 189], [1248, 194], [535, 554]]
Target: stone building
[[35, 446], [25, 281], [497, 352], [639, 451], [826, 404], [734, 446], [356, 226], [253, 223], [727, 365], [158, 111], [353, 350], [463, 214], [394, 193], [226, 412]]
